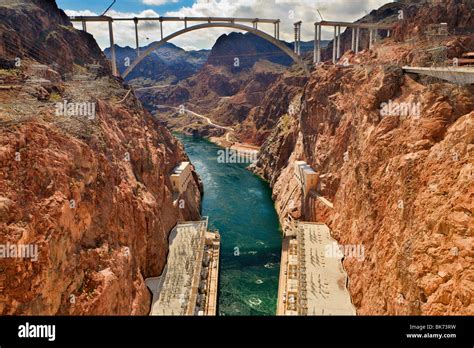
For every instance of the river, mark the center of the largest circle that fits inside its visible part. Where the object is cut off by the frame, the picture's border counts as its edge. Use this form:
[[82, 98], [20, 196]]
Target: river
[[240, 207]]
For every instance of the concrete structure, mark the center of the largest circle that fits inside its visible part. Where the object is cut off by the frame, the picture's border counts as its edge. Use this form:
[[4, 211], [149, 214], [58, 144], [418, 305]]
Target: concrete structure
[[297, 46], [209, 22], [188, 283], [459, 75], [181, 177], [312, 281], [356, 28], [211, 262], [306, 176]]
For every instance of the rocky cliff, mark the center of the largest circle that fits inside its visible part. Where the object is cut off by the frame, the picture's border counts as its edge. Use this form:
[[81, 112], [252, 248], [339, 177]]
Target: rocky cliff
[[89, 188], [401, 182]]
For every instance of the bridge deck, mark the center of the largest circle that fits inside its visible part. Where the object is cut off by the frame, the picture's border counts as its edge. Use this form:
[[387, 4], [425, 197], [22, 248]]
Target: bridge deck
[[462, 75], [173, 19], [356, 25]]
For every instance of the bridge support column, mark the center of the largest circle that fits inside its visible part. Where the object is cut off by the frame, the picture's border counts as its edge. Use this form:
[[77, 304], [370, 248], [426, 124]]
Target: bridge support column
[[388, 33], [316, 43], [353, 40], [277, 29], [334, 44], [297, 38], [84, 25], [161, 28], [371, 37], [135, 20], [112, 48], [338, 42], [357, 40], [319, 42]]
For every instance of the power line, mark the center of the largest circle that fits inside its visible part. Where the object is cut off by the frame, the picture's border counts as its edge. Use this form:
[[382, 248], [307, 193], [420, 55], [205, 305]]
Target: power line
[[108, 8]]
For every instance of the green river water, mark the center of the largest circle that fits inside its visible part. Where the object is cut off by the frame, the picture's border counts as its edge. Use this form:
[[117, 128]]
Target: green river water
[[239, 205]]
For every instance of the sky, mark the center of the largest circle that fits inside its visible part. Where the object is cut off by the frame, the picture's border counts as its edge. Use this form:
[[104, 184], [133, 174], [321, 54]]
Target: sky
[[288, 11]]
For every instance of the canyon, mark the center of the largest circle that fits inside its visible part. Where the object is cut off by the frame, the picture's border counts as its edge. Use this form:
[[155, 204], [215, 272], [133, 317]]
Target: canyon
[[401, 184], [95, 195]]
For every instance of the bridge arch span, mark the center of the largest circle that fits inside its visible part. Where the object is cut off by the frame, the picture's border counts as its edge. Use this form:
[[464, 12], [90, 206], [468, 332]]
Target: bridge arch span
[[254, 31]]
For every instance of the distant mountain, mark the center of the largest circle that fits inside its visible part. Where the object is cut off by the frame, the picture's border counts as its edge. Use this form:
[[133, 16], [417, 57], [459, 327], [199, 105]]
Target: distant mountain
[[167, 65], [241, 51]]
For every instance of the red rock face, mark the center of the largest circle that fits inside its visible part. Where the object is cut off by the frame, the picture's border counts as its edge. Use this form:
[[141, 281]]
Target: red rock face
[[100, 222], [401, 184], [93, 195], [37, 29]]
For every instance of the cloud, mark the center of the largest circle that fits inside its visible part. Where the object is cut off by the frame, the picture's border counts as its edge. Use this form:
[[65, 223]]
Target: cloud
[[158, 2], [288, 11]]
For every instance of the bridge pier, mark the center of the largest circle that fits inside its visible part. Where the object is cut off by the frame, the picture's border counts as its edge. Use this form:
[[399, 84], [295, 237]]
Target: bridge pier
[[357, 40], [84, 26], [298, 38], [161, 28], [337, 50], [338, 42], [135, 20], [353, 40], [112, 48], [319, 43]]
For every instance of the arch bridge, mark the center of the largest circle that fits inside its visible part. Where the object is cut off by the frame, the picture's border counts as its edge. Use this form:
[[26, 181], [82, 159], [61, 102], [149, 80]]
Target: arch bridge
[[206, 22]]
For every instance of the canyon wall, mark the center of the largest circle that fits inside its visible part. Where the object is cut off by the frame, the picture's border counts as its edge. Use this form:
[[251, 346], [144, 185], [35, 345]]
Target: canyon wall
[[93, 194], [401, 184]]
